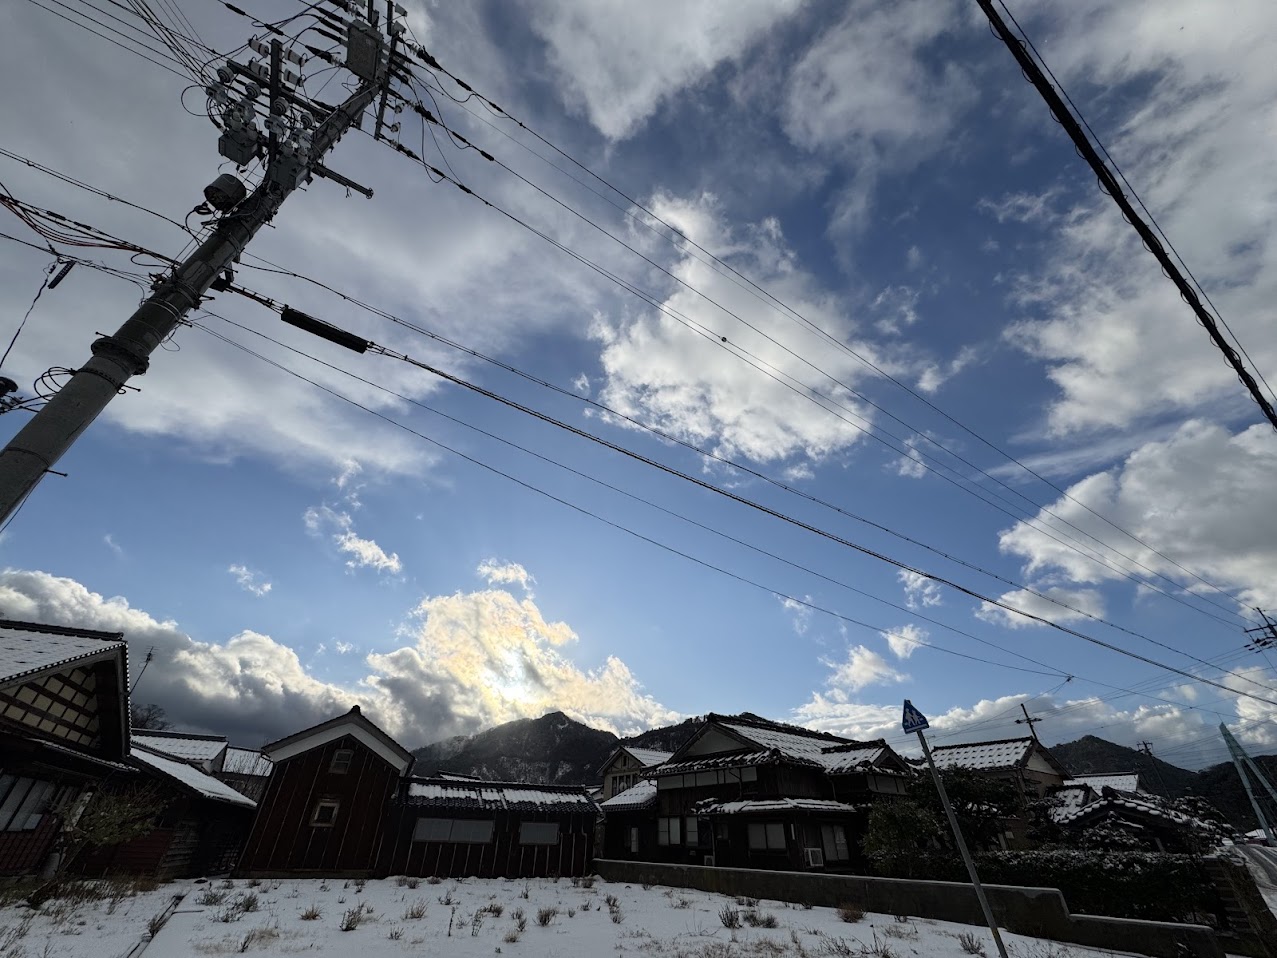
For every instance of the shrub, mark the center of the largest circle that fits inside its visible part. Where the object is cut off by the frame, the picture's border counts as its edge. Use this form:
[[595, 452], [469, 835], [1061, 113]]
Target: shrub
[[511, 937], [520, 923], [413, 883], [546, 915], [971, 944], [729, 916], [228, 914], [851, 912], [401, 881], [757, 919], [494, 908], [247, 902], [683, 903], [747, 902], [351, 919], [416, 910], [210, 896], [433, 880], [312, 914]]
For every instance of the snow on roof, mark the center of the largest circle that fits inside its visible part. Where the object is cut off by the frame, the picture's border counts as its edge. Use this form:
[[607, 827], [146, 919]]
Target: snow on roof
[[733, 760], [27, 649], [1122, 781], [1150, 805], [246, 761], [448, 793], [191, 777], [831, 752], [1007, 753], [189, 748], [648, 756], [636, 796], [774, 805], [1071, 798]]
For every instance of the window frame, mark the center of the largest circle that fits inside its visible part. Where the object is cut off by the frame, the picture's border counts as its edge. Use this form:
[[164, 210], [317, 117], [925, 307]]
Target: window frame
[[691, 831], [342, 753], [525, 826], [669, 831], [334, 804], [769, 843], [453, 834]]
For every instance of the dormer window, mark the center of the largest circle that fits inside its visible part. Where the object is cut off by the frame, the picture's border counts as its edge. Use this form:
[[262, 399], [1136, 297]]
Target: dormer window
[[341, 761]]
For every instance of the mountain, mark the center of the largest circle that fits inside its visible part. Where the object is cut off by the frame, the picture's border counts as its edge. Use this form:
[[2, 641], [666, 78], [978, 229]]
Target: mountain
[[1093, 756], [552, 749], [1222, 786]]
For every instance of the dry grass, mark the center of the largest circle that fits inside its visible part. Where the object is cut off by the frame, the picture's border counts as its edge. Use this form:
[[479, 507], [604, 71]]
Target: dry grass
[[546, 915], [851, 913], [416, 910], [312, 914], [971, 944], [729, 916]]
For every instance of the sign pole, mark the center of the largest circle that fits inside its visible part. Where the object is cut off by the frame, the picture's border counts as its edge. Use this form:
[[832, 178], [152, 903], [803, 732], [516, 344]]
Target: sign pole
[[915, 721]]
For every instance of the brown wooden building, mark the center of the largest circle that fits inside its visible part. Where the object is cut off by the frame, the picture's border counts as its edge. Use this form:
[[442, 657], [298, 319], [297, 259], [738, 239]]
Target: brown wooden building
[[329, 802], [746, 792]]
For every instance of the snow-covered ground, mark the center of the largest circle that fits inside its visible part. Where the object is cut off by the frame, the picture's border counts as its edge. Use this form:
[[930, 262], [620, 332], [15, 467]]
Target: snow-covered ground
[[537, 919]]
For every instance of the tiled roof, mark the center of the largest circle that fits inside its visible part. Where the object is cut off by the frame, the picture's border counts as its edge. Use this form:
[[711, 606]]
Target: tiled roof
[[27, 649], [1071, 798], [246, 761], [191, 777], [1007, 753], [849, 758], [514, 796], [1155, 808], [648, 756], [1122, 781], [637, 796], [790, 741], [189, 748], [772, 806], [734, 760]]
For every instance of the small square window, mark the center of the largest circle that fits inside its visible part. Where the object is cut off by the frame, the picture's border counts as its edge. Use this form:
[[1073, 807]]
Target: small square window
[[325, 814], [341, 761]]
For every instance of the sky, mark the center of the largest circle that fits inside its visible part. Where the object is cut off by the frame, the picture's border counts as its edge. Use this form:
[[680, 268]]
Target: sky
[[836, 261]]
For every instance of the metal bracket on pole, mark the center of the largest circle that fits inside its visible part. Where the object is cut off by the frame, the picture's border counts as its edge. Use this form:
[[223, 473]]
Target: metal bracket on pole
[[325, 173], [915, 721]]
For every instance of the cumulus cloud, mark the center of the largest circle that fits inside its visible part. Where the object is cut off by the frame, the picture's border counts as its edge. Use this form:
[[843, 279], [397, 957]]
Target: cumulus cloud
[[1181, 93], [1069, 605], [703, 387], [620, 60], [465, 662], [920, 592], [905, 640], [495, 572], [340, 526], [250, 580], [1202, 499]]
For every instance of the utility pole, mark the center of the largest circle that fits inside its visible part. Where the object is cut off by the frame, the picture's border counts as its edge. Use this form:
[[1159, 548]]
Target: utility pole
[[915, 721], [1147, 749], [1029, 721], [300, 133], [1242, 761]]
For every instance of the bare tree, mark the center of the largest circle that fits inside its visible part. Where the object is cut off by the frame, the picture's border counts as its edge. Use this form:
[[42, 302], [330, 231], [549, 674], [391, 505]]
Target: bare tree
[[150, 717]]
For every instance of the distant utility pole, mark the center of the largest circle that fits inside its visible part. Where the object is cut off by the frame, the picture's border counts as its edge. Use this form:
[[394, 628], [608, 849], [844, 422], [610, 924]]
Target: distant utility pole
[[300, 132], [1265, 636], [1147, 749], [1029, 721], [1242, 762]]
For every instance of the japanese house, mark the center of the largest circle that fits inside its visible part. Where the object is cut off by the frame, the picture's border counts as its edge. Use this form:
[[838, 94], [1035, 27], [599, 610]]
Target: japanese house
[[1024, 762], [627, 766], [746, 792], [246, 770], [341, 800]]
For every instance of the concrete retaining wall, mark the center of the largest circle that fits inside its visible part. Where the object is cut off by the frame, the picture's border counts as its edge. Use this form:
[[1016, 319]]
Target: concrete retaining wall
[[1041, 912]]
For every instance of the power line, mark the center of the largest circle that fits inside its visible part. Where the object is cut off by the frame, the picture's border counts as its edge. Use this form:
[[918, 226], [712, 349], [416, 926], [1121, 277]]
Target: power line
[[779, 305], [1113, 188], [118, 43]]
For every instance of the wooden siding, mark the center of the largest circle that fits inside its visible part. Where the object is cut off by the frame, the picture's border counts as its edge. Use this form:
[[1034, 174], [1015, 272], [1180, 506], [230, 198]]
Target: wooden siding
[[23, 853], [283, 838], [503, 857]]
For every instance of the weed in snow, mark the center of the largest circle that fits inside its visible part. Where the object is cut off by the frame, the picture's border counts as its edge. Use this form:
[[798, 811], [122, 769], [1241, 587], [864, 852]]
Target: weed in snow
[[211, 896], [546, 915], [351, 919], [395, 934], [729, 916], [900, 931], [416, 910], [247, 902], [971, 944], [759, 919], [311, 914], [256, 937], [434, 880], [851, 913]]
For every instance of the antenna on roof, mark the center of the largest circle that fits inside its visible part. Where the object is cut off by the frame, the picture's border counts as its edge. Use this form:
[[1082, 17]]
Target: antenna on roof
[[149, 655]]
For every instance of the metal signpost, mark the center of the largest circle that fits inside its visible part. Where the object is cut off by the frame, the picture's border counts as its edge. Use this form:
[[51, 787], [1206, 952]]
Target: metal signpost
[[915, 721]]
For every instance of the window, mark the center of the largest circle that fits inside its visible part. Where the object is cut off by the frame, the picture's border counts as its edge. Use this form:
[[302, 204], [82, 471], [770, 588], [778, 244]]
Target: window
[[539, 833], [769, 836], [341, 761], [463, 830], [634, 843], [833, 839], [325, 813], [23, 802], [667, 831], [691, 832]]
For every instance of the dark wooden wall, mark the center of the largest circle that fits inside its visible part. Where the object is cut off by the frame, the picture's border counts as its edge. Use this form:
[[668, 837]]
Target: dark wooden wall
[[284, 840], [503, 857], [23, 853]]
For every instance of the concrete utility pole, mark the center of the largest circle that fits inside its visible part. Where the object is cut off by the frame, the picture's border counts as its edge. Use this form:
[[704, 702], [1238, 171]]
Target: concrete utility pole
[[915, 721], [300, 132], [1242, 761], [1030, 721]]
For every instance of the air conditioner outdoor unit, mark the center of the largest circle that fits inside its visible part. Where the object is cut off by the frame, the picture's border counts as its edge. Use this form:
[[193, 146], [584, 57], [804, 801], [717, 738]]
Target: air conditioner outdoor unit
[[708, 861], [815, 857]]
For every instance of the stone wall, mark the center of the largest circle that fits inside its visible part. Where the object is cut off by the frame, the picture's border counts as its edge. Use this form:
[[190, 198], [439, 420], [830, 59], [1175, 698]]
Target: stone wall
[[1041, 912]]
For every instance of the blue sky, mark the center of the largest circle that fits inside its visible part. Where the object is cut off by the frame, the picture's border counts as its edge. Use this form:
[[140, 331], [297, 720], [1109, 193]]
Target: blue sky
[[880, 169]]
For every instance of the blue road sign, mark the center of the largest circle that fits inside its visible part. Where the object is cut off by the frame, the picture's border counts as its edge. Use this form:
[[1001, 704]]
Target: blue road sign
[[913, 720]]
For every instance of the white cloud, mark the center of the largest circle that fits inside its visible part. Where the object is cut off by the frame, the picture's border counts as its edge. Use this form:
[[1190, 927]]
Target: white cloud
[[581, 383], [920, 592], [1182, 90], [905, 640], [364, 553], [1080, 603], [343, 648], [912, 465], [250, 580], [862, 668], [865, 95], [800, 614], [620, 60], [1203, 498], [114, 546], [691, 385], [465, 662], [495, 572]]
